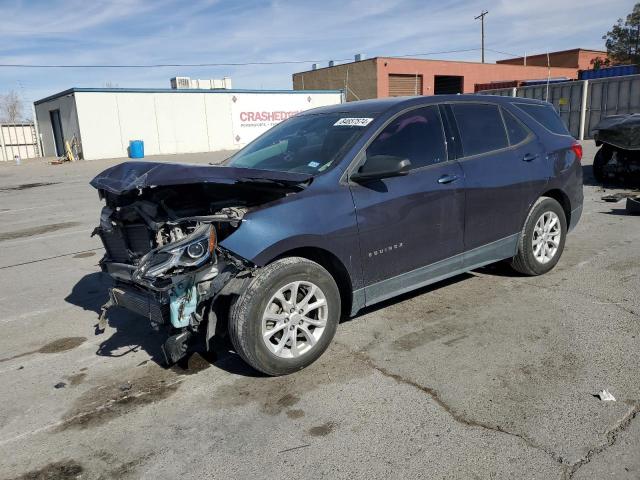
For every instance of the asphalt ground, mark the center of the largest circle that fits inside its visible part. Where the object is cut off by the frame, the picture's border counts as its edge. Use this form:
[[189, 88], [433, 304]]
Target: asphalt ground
[[486, 375]]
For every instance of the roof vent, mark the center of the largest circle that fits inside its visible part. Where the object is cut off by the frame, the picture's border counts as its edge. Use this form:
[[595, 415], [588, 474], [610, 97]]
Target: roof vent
[[314, 66], [359, 57], [185, 83], [180, 82], [331, 63]]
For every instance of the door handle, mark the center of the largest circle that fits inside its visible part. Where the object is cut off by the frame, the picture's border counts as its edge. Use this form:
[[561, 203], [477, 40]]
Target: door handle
[[447, 178], [528, 157]]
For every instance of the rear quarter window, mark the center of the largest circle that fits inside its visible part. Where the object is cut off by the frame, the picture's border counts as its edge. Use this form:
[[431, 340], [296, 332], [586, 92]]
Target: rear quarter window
[[546, 116], [516, 131]]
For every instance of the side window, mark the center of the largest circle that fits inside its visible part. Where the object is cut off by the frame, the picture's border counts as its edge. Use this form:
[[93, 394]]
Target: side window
[[516, 131], [481, 127], [546, 116], [416, 135]]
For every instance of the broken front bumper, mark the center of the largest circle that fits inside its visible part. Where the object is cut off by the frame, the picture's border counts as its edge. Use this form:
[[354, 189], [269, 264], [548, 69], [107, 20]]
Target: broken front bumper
[[152, 306], [173, 302]]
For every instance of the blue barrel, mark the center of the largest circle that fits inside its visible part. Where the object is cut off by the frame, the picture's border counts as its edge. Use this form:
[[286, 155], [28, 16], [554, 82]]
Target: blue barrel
[[136, 149]]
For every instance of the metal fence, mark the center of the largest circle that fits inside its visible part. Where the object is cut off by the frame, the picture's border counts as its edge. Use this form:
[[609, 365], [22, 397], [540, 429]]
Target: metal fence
[[583, 103], [611, 96], [18, 139]]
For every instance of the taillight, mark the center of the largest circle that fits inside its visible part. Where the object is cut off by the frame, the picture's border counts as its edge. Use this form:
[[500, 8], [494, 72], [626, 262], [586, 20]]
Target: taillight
[[577, 149]]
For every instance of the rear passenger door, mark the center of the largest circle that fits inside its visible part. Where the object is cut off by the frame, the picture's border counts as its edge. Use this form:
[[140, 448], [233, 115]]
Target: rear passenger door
[[503, 165]]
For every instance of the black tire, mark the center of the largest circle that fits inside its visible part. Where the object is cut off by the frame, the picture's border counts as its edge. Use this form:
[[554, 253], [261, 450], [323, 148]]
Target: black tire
[[633, 205], [599, 161], [245, 316], [525, 261]]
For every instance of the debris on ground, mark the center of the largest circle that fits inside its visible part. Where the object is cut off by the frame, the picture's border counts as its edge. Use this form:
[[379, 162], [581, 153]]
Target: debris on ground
[[60, 385], [616, 197], [71, 152], [605, 396], [125, 387]]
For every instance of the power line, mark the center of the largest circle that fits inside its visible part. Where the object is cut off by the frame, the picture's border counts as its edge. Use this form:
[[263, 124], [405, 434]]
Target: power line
[[217, 64], [505, 53], [434, 53], [161, 65]]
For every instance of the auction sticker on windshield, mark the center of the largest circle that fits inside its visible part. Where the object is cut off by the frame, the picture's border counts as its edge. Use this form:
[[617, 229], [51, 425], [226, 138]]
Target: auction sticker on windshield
[[353, 122]]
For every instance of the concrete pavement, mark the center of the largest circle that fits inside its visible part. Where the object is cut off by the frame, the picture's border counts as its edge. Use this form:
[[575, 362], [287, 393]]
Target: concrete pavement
[[486, 375]]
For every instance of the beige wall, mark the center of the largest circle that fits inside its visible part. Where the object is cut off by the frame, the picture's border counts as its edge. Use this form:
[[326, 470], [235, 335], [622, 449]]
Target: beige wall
[[17, 139], [361, 78], [167, 123]]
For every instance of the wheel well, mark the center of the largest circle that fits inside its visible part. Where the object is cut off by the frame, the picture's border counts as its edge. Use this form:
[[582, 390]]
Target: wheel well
[[563, 200], [333, 265]]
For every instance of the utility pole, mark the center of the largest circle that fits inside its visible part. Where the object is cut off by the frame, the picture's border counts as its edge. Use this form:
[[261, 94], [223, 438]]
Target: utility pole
[[481, 17]]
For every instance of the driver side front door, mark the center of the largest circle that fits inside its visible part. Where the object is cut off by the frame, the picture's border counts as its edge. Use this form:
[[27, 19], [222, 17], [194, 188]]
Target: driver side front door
[[411, 227]]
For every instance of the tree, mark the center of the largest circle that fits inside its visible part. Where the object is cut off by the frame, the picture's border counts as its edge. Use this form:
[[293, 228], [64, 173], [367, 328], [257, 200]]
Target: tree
[[623, 40], [11, 107], [599, 62]]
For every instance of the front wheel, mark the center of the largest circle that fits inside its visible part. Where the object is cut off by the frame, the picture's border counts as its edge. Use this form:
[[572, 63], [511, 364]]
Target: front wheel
[[287, 317], [542, 239]]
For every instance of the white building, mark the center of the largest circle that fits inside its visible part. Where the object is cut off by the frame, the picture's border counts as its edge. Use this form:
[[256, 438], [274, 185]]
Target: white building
[[104, 120]]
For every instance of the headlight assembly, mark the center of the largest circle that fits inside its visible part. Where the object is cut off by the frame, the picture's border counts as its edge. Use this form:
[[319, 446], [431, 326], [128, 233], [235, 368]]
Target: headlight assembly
[[191, 251], [197, 250]]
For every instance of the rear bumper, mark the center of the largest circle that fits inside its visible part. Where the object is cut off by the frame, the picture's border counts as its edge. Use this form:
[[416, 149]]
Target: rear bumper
[[576, 214]]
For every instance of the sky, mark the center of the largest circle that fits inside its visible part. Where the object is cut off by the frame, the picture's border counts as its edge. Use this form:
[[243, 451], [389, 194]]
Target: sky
[[94, 32]]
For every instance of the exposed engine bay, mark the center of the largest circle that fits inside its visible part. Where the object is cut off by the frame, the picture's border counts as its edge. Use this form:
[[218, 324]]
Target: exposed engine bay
[[618, 159], [162, 244], [617, 165]]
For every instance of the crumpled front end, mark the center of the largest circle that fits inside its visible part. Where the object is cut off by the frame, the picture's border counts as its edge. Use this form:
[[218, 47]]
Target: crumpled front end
[[174, 265], [162, 249]]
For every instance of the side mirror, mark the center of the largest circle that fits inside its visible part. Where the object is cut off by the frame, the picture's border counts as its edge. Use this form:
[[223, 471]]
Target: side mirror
[[381, 166]]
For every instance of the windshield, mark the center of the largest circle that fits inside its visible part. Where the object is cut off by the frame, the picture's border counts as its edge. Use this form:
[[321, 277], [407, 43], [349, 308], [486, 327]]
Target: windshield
[[306, 144]]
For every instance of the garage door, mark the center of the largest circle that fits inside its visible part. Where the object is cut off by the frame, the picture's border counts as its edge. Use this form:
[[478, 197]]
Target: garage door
[[403, 85]]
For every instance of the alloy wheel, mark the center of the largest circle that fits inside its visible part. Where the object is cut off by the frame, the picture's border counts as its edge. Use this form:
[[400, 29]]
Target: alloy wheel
[[294, 320], [546, 237]]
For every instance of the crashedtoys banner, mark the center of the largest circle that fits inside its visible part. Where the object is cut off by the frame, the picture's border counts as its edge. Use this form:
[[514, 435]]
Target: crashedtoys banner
[[254, 114]]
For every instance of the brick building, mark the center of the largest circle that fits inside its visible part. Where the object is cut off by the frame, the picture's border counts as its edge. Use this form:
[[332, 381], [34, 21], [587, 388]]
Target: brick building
[[575, 58], [388, 76]]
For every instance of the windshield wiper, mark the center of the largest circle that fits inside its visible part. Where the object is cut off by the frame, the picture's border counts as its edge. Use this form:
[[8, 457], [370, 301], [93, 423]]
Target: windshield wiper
[[271, 181]]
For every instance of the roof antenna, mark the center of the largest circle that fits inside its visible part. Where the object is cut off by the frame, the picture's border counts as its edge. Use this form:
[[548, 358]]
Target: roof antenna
[[548, 76]]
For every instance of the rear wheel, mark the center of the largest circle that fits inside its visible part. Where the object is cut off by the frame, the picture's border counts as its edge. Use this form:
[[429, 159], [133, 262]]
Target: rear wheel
[[287, 317], [599, 162], [542, 239]]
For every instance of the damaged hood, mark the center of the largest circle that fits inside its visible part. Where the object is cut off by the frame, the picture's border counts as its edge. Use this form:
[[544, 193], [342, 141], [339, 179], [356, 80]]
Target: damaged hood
[[130, 176], [622, 131]]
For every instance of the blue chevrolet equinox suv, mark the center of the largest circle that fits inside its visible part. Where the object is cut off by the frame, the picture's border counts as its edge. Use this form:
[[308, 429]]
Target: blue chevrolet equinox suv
[[333, 210]]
